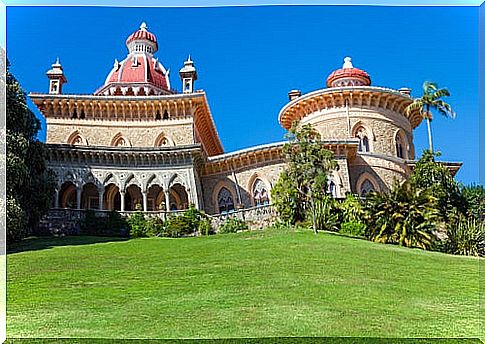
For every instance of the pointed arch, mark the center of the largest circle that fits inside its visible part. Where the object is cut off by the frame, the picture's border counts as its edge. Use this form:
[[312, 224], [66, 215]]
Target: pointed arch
[[229, 195], [76, 138], [366, 183], [401, 145], [164, 140], [119, 140], [259, 188], [365, 135]]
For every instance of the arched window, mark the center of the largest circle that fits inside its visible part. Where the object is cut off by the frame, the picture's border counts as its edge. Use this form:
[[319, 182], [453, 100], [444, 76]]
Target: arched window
[[400, 147], [332, 189], [260, 193], [363, 137], [120, 142], [366, 187], [225, 201]]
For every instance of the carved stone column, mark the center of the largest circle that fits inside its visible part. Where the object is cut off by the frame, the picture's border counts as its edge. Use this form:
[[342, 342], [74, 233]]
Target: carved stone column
[[122, 203], [167, 200], [145, 200], [78, 197], [101, 198], [56, 200]]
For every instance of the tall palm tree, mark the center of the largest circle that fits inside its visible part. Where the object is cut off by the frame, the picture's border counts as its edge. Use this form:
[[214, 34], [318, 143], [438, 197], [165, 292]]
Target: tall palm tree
[[431, 100]]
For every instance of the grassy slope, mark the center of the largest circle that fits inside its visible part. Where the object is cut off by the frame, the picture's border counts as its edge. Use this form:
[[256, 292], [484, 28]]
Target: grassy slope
[[242, 285]]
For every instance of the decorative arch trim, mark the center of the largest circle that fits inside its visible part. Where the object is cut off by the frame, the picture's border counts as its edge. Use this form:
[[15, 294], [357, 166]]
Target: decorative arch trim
[[252, 180], [120, 140], [76, 138], [366, 176], [164, 140], [215, 193]]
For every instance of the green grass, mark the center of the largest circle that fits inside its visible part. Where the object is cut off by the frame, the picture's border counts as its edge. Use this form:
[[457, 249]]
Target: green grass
[[253, 284]]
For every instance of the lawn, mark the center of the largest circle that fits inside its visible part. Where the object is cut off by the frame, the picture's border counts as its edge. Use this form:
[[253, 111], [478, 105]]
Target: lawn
[[253, 284]]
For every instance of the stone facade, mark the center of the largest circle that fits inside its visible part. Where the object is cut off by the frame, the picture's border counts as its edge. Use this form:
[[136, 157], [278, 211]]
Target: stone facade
[[136, 141]]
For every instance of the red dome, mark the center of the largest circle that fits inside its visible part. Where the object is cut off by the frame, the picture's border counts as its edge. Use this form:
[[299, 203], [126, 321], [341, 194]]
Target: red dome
[[142, 34], [348, 75]]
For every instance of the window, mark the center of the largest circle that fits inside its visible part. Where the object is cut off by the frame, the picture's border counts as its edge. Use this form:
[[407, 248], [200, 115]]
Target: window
[[120, 142], [225, 201], [399, 146], [260, 193], [366, 187], [361, 134], [332, 189]]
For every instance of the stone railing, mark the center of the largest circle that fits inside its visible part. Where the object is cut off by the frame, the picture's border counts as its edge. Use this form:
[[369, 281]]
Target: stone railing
[[256, 217], [66, 221]]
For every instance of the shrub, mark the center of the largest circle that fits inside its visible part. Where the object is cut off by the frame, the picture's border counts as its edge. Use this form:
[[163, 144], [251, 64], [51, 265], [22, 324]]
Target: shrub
[[352, 228], [466, 237], [326, 214], [406, 216], [177, 226], [16, 220], [205, 227], [233, 225], [116, 224], [138, 225], [154, 226], [351, 209]]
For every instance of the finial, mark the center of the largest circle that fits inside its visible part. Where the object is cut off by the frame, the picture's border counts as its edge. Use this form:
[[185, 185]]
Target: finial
[[57, 61], [188, 59], [116, 64], [348, 62], [143, 26]]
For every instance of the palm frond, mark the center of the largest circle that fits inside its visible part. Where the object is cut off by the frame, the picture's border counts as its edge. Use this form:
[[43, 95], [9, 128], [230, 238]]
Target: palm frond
[[444, 108], [429, 86], [442, 92]]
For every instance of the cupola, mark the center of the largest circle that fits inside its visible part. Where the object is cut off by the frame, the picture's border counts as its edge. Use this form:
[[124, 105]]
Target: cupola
[[188, 74], [56, 78], [348, 75]]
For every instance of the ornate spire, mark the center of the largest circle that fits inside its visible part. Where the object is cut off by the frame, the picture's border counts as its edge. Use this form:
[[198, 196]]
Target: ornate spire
[[143, 26], [348, 63]]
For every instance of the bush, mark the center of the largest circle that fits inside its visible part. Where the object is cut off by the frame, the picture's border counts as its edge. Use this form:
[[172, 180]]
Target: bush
[[178, 226], [111, 225], [466, 237], [233, 225], [138, 225], [154, 226], [16, 221], [205, 227], [326, 214], [353, 228], [351, 209]]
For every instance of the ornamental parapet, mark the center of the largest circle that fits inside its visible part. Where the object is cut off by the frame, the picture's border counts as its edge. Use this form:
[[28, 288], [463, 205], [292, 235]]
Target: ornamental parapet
[[270, 153], [353, 97], [125, 156]]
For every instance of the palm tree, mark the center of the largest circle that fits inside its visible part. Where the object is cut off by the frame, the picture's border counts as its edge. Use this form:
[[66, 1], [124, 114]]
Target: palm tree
[[431, 100]]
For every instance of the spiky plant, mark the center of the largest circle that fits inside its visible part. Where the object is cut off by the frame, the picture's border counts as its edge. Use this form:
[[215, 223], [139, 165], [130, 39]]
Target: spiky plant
[[431, 100], [466, 237], [406, 216]]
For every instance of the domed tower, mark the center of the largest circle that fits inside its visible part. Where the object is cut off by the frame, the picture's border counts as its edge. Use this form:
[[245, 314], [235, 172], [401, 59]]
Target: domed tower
[[140, 73], [371, 120]]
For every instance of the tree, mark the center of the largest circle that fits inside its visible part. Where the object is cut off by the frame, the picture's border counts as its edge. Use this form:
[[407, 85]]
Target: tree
[[30, 184], [437, 179], [406, 216], [308, 164], [431, 100]]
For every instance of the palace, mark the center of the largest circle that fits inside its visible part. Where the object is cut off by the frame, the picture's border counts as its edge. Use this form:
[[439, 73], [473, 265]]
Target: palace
[[138, 141]]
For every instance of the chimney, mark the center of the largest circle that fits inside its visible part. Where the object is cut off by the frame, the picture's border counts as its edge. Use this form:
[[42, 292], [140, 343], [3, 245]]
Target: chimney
[[293, 94]]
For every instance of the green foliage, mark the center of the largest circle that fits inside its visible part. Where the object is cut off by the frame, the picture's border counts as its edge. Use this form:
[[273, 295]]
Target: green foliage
[[286, 200], [352, 209], [474, 196], [233, 225], [326, 214], [16, 219], [205, 227], [154, 226], [353, 228], [178, 226], [305, 178], [466, 237], [436, 178], [138, 225], [29, 182], [406, 216], [111, 225]]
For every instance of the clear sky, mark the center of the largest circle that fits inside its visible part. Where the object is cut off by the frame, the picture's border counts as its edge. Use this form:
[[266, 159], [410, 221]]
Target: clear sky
[[248, 58]]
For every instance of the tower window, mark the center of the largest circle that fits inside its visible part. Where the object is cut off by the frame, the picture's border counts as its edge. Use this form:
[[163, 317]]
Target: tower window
[[399, 146], [361, 134]]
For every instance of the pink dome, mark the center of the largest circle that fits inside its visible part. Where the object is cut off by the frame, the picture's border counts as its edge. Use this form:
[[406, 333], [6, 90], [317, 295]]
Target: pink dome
[[348, 75]]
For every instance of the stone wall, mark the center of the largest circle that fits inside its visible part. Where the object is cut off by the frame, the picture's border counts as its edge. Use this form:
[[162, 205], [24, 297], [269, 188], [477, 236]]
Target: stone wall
[[381, 124], [138, 133], [241, 179]]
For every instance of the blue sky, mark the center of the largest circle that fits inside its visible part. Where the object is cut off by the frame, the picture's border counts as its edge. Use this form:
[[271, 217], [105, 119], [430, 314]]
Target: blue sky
[[248, 58]]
